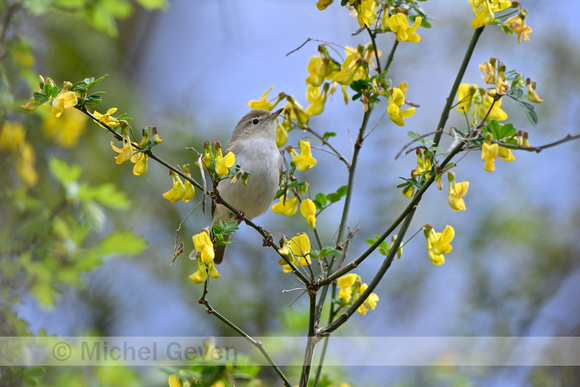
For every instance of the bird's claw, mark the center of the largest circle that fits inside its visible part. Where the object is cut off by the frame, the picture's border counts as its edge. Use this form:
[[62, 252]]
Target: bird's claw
[[268, 239]]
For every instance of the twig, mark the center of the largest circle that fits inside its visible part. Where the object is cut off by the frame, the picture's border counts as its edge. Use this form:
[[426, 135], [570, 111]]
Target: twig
[[325, 142], [453, 92], [256, 343], [538, 149], [414, 141]]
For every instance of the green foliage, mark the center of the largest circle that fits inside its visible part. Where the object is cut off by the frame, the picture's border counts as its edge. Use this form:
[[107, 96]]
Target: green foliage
[[519, 96], [222, 231], [102, 15], [322, 200], [499, 131]]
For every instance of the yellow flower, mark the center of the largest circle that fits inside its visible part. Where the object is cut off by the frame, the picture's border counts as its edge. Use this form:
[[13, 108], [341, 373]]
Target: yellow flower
[[351, 288], [531, 94], [140, 167], [304, 160], [262, 103], [346, 74], [222, 164], [203, 246], [107, 118], [287, 207], [367, 13], [396, 100], [189, 191], [317, 71], [485, 9], [286, 252], [174, 381], [399, 24], [317, 100], [294, 111], [12, 134], [297, 247], [469, 98], [345, 284], [489, 153], [456, 193], [300, 247], [408, 191], [439, 243], [13, 139], [322, 4], [488, 70], [505, 154], [124, 153], [64, 100], [177, 191], [423, 164], [370, 302], [200, 276], [213, 273], [281, 134], [465, 96], [65, 131], [518, 25], [308, 210]]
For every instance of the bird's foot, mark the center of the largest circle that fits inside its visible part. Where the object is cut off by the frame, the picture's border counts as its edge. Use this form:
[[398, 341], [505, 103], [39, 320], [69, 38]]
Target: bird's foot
[[268, 239], [240, 216]]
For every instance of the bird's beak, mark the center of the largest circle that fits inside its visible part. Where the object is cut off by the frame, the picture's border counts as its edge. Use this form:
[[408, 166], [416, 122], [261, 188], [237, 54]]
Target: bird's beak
[[275, 115]]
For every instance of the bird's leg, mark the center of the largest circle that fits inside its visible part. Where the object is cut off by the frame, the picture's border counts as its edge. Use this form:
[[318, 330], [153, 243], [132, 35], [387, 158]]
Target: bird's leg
[[239, 217], [268, 239]]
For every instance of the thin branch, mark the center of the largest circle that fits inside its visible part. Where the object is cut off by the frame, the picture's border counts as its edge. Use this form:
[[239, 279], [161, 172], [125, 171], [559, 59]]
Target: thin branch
[[372, 36], [408, 210], [391, 55], [453, 92], [414, 141], [373, 284], [256, 343], [538, 149], [325, 142], [311, 341]]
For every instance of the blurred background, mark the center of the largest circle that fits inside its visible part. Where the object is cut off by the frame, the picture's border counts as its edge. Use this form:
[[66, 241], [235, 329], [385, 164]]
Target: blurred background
[[190, 69]]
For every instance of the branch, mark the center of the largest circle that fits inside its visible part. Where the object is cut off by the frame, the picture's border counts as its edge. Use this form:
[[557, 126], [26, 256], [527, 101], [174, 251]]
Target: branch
[[373, 284], [406, 212], [540, 148], [256, 343], [325, 142], [458, 78]]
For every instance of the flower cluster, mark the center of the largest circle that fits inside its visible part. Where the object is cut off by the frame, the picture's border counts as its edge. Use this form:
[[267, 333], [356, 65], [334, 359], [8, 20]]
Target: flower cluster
[[485, 14], [13, 139], [351, 288], [180, 190], [204, 255], [297, 251], [128, 151], [438, 243]]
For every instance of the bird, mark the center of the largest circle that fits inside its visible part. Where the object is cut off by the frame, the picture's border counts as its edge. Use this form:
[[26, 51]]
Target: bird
[[253, 144]]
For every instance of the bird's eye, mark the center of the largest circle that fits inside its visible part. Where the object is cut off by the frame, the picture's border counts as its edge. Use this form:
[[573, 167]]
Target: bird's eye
[[255, 122]]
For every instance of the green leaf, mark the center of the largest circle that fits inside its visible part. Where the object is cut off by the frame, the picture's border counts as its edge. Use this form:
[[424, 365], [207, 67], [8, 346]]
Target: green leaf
[[328, 135], [530, 112], [327, 251], [320, 200], [123, 242], [152, 4], [63, 171], [107, 194], [93, 81], [334, 197], [40, 97]]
